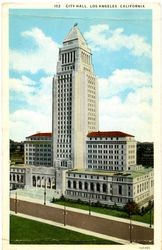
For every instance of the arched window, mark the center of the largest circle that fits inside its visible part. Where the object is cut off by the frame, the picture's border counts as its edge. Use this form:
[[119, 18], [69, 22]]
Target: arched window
[[98, 187], [80, 185], [49, 183], [92, 186], [69, 184], [22, 178], [38, 181], [86, 186], [34, 181], [104, 188], [74, 184]]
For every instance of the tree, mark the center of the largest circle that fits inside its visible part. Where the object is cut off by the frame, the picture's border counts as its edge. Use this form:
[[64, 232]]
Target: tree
[[131, 208]]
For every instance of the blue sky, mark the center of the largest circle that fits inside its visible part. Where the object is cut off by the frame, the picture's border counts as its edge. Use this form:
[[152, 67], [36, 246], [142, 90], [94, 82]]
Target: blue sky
[[121, 44]]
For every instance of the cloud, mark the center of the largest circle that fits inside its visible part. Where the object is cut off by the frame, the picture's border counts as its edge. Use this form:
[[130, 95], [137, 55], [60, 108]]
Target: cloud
[[131, 114], [23, 85], [37, 97], [24, 122], [123, 80], [101, 36], [42, 57]]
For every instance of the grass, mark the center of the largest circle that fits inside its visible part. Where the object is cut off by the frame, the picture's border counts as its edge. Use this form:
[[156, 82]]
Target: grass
[[25, 231], [113, 212]]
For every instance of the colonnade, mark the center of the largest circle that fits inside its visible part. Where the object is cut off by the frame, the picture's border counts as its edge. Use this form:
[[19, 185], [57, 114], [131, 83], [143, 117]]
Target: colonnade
[[42, 181], [87, 186], [16, 178], [68, 57]]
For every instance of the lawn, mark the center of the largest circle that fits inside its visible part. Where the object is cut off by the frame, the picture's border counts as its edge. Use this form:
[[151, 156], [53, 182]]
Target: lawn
[[145, 218], [25, 231]]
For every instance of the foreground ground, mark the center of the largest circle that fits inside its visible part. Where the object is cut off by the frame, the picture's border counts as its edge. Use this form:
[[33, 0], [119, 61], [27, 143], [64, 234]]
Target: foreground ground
[[110, 226], [25, 231]]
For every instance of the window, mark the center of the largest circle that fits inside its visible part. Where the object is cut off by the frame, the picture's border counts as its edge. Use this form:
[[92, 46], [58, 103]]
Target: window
[[74, 184], [120, 189], [80, 185], [98, 187], [92, 186], [69, 184], [86, 186], [104, 188]]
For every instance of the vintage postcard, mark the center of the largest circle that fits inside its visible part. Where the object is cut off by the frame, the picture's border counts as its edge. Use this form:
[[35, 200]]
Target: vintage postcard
[[81, 125]]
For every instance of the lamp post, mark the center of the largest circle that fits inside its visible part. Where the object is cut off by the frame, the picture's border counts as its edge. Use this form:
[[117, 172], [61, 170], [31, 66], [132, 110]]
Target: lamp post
[[151, 206], [150, 217], [89, 205], [130, 228], [45, 192], [64, 213], [16, 203]]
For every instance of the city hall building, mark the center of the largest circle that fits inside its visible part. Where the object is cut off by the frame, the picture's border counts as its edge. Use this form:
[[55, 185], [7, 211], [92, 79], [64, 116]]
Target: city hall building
[[75, 102], [87, 164]]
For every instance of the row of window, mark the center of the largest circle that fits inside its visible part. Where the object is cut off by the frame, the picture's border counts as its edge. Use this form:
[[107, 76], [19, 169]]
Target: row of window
[[63, 151], [88, 186], [105, 151], [34, 150], [38, 163], [68, 57], [38, 154], [17, 178], [39, 139], [142, 187], [97, 187], [38, 145], [104, 138], [67, 68], [106, 146], [88, 176], [66, 156], [38, 159], [106, 162], [85, 58], [105, 167]]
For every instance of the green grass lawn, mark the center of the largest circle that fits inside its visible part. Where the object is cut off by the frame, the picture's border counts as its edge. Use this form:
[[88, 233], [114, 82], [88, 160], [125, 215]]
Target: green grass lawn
[[25, 231], [145, 218]]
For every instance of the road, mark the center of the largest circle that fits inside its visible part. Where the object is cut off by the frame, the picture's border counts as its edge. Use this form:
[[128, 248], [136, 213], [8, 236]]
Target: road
[[93, 223]]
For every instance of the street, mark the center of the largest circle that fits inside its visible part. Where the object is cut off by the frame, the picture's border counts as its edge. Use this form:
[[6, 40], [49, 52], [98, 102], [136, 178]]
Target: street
[[137, 234]]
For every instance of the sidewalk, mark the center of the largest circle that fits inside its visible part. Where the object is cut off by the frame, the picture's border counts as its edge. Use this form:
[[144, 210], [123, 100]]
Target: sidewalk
[[77, 210], [83, 231]]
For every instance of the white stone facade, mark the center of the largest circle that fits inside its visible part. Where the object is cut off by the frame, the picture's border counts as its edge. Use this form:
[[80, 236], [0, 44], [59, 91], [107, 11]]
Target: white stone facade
[[75, 102], [110, 150], [28, 176], [17, 177], [38, 149], [110, 187]]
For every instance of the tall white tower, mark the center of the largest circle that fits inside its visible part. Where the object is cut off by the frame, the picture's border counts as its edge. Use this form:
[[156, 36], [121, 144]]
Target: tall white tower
[[75, 102]]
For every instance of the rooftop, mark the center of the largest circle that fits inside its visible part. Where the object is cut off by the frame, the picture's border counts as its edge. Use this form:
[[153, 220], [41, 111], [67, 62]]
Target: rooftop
[[128, 174], [46, 134], [108, 134], [74, 34]]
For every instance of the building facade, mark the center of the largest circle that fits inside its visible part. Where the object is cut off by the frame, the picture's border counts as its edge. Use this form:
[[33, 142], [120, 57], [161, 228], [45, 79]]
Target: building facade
[[75, 102], [109, 187], [110, 150], [29, 176], [38, 149]]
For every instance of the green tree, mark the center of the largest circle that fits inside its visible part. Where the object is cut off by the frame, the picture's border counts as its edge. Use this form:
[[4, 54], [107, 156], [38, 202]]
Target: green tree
[[131, 208]]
